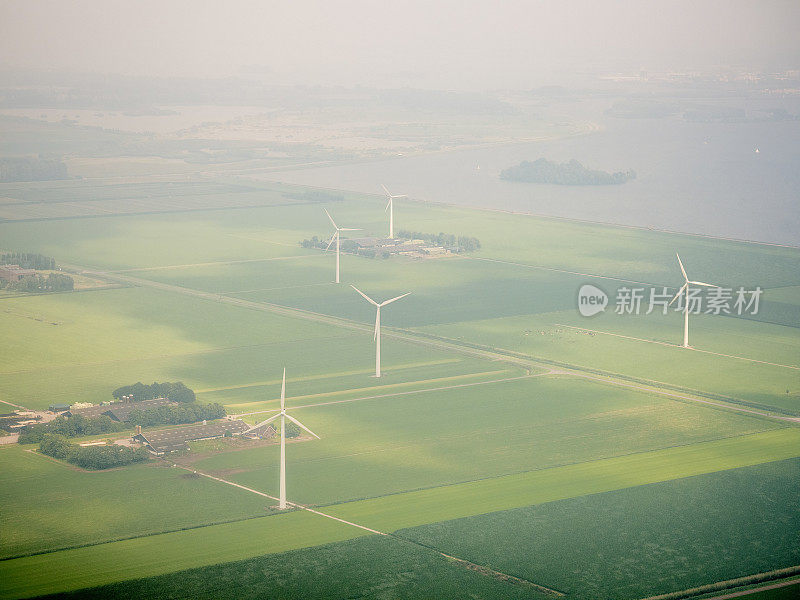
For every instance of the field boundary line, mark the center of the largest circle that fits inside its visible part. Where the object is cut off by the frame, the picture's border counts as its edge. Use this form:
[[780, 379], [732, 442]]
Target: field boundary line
[[483, 570], [668, 344], [392, 394], [421, 338], [403, 366], [215, 263], [554, 269], [721, 586]]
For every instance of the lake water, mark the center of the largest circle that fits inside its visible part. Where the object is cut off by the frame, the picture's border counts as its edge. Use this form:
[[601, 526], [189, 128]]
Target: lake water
[[694, 178]]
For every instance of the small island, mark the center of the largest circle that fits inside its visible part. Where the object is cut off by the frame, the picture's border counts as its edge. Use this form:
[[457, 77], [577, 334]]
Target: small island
[[568, 173]]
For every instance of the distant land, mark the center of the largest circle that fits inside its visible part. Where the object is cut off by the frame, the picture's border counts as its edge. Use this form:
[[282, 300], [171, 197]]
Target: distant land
[[568, 173]]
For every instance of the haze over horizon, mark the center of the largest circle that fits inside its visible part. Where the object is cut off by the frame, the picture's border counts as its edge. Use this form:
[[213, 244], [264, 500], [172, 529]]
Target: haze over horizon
[[446, 44]]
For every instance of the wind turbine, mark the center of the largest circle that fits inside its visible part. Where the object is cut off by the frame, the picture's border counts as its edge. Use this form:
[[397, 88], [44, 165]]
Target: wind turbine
[[336, 237], [685, 287], [283, 416], [390, 208], [378, 325]]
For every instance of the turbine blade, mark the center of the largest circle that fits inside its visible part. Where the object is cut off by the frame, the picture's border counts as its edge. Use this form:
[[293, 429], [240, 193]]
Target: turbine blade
[[685, 276], [399, 196], [264, 422], [377, 323], [680, 291], [283, 390], [393, 299], [333, 237], [385, 190], [388, 204], [367, 298], [701, 283], [299, 424], [331, 218], [348, 229]]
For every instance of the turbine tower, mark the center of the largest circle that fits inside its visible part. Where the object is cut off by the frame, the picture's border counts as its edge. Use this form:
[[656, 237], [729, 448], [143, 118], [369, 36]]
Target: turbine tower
[[283, 416], [685, 287], [378, 325], [390, 208], [335, 236]]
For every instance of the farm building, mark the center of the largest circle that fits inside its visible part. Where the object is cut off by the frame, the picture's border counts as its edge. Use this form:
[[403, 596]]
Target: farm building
[[14, 273], [119, 411], [170, 440]]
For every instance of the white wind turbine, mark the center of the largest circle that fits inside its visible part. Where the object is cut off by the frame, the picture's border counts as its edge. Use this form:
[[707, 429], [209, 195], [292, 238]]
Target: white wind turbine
[[390, 208], [685, 287], [335, 236], [378, 325], [283, 416]]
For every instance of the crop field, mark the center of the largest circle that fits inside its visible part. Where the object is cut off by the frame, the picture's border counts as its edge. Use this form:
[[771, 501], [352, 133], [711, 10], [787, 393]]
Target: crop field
[[664, 554], [676, 545], [453, 442], [366, 567], [48, 505], [422, 440]]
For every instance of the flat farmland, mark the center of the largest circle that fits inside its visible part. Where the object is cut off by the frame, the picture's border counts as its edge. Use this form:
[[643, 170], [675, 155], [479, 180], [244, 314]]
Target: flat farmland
[[141, 557], [48, 505], [393, 444], [85, 345], [641, 541], [663, 555]]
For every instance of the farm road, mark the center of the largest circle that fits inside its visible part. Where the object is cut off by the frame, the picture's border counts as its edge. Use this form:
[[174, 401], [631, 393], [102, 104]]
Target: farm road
[[495, 354]]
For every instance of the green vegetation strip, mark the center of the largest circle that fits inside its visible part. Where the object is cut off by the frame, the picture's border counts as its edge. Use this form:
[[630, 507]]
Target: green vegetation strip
[[156, 555], [389, 513], [144, 557]]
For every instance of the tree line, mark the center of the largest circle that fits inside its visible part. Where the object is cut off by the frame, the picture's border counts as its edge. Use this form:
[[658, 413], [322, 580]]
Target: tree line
[[28, 260], [176, 415], [174, 392], [74, 426], [568, 173], [54, 282], [91, 457], [461, 243]]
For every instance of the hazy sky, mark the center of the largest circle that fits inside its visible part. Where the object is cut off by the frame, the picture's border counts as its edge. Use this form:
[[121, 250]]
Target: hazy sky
[[451, 44]]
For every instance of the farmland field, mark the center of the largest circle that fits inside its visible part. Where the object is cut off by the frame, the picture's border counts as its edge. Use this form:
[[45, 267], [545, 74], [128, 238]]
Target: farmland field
[[551, 546], [498, 401]]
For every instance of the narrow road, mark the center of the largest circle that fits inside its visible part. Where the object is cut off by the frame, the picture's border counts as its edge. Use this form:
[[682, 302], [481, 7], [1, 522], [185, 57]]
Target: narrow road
[[416, 338]]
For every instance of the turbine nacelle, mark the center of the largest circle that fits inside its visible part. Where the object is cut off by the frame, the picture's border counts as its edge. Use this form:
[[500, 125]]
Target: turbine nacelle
[[377, 334]]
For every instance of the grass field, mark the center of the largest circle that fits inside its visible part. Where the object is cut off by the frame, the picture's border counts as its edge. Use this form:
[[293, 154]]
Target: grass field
[[49, 505], [662, 554], [371, 567], [406, 442], [444, 435], [640, 541], [142, 557]]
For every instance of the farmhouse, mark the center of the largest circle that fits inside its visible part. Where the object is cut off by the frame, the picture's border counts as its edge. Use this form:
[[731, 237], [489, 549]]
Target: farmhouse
[[119, 411], [14, 273], [169, 440]]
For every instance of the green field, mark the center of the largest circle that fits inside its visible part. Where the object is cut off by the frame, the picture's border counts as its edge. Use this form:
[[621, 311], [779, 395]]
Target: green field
[[640, 541], [444, 442], [584, 547], [49, 505]]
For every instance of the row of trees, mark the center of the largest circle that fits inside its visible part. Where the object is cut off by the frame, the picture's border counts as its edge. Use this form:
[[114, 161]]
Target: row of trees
[[175, 392], [54, 282], [28, 260], [176, 415], [461, 243], [569, 173], [90, 457], [31, 168], [74, 426]]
